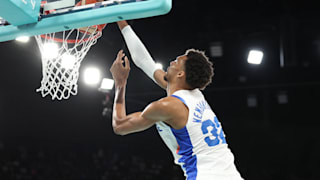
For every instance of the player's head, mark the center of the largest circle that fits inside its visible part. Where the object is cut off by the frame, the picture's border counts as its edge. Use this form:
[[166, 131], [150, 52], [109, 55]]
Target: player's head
[[198, 68], [194, 67]]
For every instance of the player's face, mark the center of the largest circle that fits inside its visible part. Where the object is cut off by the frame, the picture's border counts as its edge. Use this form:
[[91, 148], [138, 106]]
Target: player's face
[[176, 66], [178, 63]]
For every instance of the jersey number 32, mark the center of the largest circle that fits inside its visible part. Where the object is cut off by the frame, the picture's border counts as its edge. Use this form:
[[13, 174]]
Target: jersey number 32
[[213, 132]]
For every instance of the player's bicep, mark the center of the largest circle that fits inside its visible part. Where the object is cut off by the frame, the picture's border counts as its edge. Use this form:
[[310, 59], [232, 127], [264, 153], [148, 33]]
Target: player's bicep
[[134, 122], [159, 77]]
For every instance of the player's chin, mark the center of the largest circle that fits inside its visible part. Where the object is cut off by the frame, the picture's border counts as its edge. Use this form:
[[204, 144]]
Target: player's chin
[[165, 78]]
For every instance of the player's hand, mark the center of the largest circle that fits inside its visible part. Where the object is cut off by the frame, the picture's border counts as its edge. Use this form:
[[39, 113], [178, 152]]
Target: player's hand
[[122, 24], [119, 71]]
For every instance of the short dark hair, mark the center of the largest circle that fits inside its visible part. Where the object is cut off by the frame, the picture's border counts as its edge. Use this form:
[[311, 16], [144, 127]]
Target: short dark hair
[[198, 68]]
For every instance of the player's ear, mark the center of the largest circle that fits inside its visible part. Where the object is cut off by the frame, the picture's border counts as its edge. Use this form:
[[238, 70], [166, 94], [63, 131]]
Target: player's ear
[[181, 74]]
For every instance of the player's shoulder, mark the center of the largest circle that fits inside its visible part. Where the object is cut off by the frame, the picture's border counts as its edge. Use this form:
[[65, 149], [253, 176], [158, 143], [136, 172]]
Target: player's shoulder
[[160, 110], [170, 102], [166, 109], [166, 104]]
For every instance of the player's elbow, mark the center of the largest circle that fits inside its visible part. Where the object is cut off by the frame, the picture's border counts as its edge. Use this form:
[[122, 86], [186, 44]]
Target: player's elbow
[[119, 131]]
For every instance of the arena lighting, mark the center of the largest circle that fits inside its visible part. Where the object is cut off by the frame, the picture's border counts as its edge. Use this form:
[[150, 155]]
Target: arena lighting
[[216, 49], [50, 50], [159, 66], [68, 61], [92, 76], [23, 39], [255, 57], [106, 85], [252, 101], [282, 97]]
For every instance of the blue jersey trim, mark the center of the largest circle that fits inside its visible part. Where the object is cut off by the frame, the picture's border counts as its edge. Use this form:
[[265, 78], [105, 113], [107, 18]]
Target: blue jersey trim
[[188, 160], [181, 99]]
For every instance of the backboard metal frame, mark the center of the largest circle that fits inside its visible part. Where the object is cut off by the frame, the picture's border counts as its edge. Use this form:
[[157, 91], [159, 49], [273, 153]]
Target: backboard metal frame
[[58, 5], [88, 15], [19, 12]]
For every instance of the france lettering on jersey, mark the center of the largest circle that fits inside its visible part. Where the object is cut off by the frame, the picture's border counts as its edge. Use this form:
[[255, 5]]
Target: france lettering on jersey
[[200, 148]]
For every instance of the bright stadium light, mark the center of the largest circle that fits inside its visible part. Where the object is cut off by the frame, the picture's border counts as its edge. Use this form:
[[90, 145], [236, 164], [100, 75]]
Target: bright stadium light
[[106, 85], [68, 61], [92, 76], [23, 39], [50, 50], [255, 57], [159, 66]]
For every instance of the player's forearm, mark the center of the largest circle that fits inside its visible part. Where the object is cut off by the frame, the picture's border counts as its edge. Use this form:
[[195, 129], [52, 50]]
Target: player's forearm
[[119, 107], [138, 51], [130, 124], [121, 122], [159, 77]]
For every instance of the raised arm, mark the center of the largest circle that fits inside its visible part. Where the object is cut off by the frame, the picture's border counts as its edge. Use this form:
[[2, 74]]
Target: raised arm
[[121, 122], [141, 56]]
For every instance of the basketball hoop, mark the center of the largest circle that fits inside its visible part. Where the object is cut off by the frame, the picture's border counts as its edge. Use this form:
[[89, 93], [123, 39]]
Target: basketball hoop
[[61, 55]]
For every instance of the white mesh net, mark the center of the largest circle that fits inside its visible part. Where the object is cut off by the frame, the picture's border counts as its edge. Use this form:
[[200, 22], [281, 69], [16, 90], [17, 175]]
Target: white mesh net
[[61, 58]]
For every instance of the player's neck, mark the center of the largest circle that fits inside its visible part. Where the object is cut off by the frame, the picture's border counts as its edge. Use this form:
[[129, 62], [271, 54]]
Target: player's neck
[[172, 88]]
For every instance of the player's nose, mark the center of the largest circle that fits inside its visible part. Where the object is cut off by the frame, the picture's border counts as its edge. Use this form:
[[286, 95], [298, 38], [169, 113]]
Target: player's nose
[[171, 63]]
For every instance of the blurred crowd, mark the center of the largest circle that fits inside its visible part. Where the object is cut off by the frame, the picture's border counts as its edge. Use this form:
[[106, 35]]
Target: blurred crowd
[[95, 164], [103, 163]]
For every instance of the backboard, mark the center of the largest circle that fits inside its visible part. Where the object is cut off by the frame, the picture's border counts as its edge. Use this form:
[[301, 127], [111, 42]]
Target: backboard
[[30, 18]]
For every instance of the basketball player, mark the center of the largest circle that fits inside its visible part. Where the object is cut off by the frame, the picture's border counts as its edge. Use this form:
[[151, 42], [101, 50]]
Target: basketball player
[[184, 119]]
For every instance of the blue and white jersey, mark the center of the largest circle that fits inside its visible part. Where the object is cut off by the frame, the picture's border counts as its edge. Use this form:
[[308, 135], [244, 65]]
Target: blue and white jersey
[[200, 148]]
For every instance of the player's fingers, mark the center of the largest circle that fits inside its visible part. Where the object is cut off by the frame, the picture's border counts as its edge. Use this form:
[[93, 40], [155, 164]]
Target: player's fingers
[[120, 52], [127, 62], [120, 55]]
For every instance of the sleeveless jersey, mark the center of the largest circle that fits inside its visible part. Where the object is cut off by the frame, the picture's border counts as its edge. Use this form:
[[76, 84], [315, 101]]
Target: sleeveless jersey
[[200, 148]]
